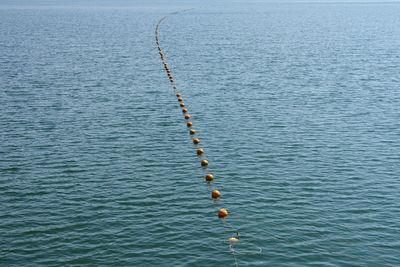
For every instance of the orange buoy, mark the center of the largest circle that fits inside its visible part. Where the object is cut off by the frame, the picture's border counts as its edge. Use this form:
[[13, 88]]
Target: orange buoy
[[215, 193], [172, 77], [204, 162], [222, 213], [175, 87], [189, 124], [187, 116], [196, 141], [233, 239], [200, 151], [172, 80], [182, 105], [180, 99], [178, 95], [184, 110], [192, 131], [209, 177]]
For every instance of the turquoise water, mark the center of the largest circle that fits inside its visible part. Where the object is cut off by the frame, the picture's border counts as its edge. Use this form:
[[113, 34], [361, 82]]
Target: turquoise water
[[296, 105]]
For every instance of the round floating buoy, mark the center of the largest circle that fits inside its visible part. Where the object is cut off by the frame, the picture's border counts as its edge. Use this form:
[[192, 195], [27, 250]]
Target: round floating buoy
[[209, 177], [175, 87], [222, 213], [204, 162], [192, 131], [189, 124], [178, 95], [187, 116], [200, 151], [233, 239], [196, 141], [182, 105], [172, 80], [215, 193], [184, 110], [180, 99]]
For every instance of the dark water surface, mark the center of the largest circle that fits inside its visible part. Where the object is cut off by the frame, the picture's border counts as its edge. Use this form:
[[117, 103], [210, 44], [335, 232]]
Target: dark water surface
[[296, 105]]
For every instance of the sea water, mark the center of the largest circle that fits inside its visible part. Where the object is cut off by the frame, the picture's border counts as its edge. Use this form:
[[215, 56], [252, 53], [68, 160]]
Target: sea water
[[297, 106]]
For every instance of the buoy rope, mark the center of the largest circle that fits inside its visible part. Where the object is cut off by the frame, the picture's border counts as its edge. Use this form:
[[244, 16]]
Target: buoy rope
[[222, 213], [234, 255]]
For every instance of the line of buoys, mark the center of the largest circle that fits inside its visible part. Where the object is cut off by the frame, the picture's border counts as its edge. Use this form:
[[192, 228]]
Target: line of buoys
[[215, 194]]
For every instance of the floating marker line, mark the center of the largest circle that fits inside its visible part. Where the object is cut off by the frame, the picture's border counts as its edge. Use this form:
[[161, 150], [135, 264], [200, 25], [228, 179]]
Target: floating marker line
[[222, 213]]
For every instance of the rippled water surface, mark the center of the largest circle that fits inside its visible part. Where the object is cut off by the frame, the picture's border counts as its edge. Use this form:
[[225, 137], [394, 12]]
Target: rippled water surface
[[296, 105]]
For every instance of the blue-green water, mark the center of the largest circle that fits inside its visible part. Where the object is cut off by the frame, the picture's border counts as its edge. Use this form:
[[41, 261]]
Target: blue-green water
[[296, 105]]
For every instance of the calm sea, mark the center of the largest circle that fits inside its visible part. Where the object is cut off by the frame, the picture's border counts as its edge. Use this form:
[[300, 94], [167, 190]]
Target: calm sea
[[297, 106]]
